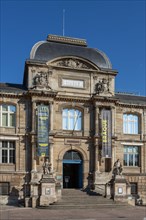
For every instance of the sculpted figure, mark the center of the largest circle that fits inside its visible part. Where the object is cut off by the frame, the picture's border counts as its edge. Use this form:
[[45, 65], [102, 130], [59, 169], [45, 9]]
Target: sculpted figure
[[101, 86], [41, 80], [47, 167], [117, 169]]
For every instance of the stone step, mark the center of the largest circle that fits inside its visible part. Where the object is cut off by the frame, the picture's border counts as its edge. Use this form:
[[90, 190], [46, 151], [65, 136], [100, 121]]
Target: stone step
[[79, 199], [83, 206], [77, 192]]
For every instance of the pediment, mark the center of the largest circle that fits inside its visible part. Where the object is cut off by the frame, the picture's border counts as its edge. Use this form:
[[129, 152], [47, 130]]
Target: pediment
[[73, 63]]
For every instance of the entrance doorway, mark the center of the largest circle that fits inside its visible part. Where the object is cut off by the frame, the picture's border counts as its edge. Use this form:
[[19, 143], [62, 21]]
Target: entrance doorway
[[72, 170]]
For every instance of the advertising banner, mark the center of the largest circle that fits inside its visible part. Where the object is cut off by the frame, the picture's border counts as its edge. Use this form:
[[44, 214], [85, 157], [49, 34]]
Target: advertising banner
[[106, 127], [43, 131]]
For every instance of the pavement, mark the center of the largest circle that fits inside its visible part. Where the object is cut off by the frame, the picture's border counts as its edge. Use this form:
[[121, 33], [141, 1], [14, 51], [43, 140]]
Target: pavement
[[100, 213]]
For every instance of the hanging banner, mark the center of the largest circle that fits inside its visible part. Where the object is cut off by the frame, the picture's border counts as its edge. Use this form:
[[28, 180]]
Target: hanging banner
[[106, 127], [43, 131]]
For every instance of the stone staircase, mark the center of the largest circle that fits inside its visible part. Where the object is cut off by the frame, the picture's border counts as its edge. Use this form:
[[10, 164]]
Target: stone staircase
[[80, 199]]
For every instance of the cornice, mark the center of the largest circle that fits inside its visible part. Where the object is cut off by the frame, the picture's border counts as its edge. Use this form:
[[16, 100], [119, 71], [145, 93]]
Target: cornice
[[7, 95], [54, 94], [130, 105]]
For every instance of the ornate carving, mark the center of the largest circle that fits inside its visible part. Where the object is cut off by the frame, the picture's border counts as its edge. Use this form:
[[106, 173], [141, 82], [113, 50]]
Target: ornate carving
[[102, 86], [41, 80], [73, 63]]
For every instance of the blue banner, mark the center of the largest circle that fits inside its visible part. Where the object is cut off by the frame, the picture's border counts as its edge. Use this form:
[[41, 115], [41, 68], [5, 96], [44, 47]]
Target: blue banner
[[106, 125], [43, 131]]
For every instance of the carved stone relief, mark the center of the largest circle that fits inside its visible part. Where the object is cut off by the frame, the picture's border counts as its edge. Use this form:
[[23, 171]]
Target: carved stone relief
[[40, 80], [73, 63], [102, 86]]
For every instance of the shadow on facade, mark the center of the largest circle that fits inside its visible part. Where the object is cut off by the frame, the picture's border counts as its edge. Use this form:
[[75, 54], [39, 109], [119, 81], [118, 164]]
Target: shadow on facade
[[13, 198]]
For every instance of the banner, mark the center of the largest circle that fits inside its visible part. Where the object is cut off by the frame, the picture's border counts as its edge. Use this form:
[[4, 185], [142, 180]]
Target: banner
[[106, 127], [43, 131]]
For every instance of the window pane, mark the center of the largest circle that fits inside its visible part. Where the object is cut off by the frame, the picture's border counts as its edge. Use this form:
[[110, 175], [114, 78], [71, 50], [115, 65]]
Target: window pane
[[12, 108], [78, 124], [4, 107], [65, 124], [12, 120], [136, 160], [12, 144], [12, 156], [71, 124], [4, 144], [125, 160], [130, 159], [65, 111], [4, 119], [4, 156]]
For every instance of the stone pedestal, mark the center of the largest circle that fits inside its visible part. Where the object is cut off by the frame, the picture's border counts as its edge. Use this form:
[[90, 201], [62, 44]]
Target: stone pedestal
[[34, 189], [48, 191], [101, 180], [122, 189]]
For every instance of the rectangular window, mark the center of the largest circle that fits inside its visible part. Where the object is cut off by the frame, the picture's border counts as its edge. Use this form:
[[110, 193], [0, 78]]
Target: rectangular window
[[4, 188], [72, 119], [7, 115], [7, 152], [131, 156]]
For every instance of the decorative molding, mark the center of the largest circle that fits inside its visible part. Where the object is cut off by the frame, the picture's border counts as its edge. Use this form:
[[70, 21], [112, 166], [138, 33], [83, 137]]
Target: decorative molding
[[9, 138], [132, 143], [72, 141]]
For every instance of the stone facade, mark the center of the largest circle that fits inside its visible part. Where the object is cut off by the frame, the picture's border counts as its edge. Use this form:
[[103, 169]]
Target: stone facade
[[71, 80]]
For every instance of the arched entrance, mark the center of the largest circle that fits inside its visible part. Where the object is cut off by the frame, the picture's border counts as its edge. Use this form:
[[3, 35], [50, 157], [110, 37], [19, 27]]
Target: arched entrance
[[72, 170]]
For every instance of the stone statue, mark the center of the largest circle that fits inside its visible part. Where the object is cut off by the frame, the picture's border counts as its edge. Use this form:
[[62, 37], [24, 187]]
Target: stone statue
[[101, 86], [47, 167], [117, 168]]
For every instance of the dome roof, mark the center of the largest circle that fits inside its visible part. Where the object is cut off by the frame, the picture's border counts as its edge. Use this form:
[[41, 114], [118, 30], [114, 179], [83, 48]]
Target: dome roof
[[56, 47]]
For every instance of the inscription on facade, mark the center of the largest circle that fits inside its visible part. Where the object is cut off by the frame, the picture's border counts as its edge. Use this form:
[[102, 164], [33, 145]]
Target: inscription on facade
[[73, 83]]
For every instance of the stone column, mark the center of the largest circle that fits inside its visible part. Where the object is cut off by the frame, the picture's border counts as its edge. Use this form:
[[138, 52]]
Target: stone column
[[51, 116], [33, 116], [51, 154], [96, 142], [86, 121], [97, 119], [33, 141], [33, 155]]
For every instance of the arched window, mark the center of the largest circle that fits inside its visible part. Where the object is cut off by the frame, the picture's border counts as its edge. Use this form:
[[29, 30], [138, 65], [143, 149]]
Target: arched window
[[72, 119], [72, 155], [7, 115], [130, 124]]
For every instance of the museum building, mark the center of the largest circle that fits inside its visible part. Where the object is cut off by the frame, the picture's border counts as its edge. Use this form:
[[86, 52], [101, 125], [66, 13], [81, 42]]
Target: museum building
[[67, 111]]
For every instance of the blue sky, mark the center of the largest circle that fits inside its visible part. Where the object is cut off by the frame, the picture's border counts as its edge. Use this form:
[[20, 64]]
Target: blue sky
[[118, 28]]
